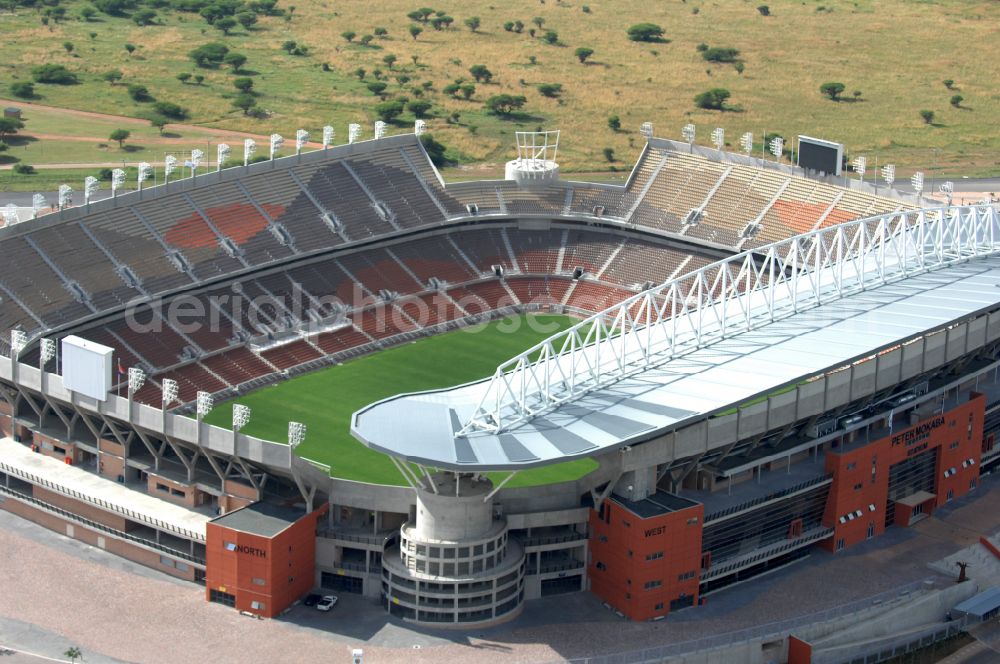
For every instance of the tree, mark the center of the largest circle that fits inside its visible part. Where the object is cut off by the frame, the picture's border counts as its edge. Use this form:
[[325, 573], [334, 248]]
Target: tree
[[245, 102], [713, 99], [24, 169], [209, 55], [583, 53], [360, 73], [434, 149], [288, 46], [366, 39], [68, 45], [129, 48], [645, 32], [120, 135], [948, 83], [518, 27], [387, 111], [139, 93], [246, 19], [243, 84], [184, 77], [377, 87], [415, 31], [467, 90], [442, 22], [9, 126], [381, 33], [159, 122], [170, 110], [53, 74], [956, 100], [505, 104], [112, 76], [481, 73], [113, 7], [739, 67], [419, 108], [451, 89], [144, 17], [225, 24], [508, 26], [614, 123], [472, 23], [551, 37], [927, 116], [198, 78], [22, 89], [539, 21], [609, 154], [764, 10], [235, 60], [550, 90], [389, 59], [87, 13], [349, 35], [832, 90], [73, 653], [720, 54]]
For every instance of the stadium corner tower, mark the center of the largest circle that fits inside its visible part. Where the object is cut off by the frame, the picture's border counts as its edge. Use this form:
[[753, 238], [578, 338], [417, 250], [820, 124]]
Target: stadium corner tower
[[767, 360]]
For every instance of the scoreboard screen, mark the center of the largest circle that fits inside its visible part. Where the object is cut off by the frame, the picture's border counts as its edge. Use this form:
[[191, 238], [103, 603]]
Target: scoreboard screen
[[818, 155]]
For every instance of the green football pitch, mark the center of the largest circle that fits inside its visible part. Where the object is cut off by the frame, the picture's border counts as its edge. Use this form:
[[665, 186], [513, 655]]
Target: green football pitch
[[324, 400]]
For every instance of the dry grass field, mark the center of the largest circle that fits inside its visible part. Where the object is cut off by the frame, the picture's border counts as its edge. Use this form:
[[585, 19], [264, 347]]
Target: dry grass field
[[895, 52]]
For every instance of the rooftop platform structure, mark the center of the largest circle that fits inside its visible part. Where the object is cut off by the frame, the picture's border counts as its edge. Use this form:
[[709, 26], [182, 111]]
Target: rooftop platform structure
[[741, 329]]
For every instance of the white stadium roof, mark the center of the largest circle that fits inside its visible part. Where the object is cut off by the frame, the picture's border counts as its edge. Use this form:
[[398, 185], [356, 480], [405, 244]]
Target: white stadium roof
[[705, 342]]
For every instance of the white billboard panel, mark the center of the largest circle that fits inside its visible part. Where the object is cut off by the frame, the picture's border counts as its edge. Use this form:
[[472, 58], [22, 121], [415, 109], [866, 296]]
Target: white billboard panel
[[86, 367]]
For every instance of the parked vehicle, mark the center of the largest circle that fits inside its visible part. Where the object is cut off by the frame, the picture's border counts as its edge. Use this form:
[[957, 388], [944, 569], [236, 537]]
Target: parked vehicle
[[327, 603], [312, 599]]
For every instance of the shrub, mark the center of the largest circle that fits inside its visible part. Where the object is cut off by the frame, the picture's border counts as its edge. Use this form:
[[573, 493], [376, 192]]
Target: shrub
[[144, 17], [24, 169], [609, 154], [645, 32], [129, 48], [184, 77], [551, 37], [764, 10], [170, 110], [348, 35], [481, 73], [713, 99], [702, 47], [508, 26], [289, 46], [832, 90], [68, 45], [550, 90], [720, 54], [505, 104], [927, 116], [87, 12], [583, 53], [22, 89], [739, 67], [472, 23], [381, 33], [419, 108], [112, 76], [245, 102], [243, 84], [387, 111], [225, 24], [53, 75], [377, 87], [614, 123], [9, 126], [139, 92], [956, 100], [209, 55], [198, 78], [948, 83]]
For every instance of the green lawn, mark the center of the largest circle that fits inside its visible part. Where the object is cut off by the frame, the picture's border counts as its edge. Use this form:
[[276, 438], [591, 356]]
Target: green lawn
[[325, 400]]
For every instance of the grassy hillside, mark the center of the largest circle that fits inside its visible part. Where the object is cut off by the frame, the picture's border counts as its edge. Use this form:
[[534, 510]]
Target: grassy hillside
[[325, 400], [895, 52]]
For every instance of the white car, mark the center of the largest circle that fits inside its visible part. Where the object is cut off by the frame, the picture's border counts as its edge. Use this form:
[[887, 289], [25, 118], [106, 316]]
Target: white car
[[327, 603]]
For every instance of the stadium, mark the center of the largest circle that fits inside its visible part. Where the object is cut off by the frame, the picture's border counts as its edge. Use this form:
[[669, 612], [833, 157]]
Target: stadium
[[335, 370]]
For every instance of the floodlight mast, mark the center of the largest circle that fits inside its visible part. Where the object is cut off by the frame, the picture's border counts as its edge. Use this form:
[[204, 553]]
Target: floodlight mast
[[37, 203], [947, 188], [419, 127], [169, 165], [90, 184], [889, 174], [169, 390], [379, 129], [719, 138], [18, 340], [195, 161], [204, 404], [145, 170], [249, 147], [136, 379], [65, 196], [353, 133], [301, 138], [10, 215], [276, 142], [860, 165], [222, 151], [688, 132], [241, 416], [296, 434], [777, 147], [328, 134], [646, 130], [47, 350], [117, 180], [917, 180]]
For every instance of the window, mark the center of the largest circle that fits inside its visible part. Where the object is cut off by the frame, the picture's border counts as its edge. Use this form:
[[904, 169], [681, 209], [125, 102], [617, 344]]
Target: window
[[630, 553], [972, 484], [167, 562], [871, 530], [686, 576], [229, 546], [649, 585], [257, 606], [951, 494], [840, 544], [162, 487], [852, 465], [858, 486], [601, 566], [257, 581], [692, 521], [626, 523], [220, 597], [656, 555], [658, 607], [177, 492], [953, 446]]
